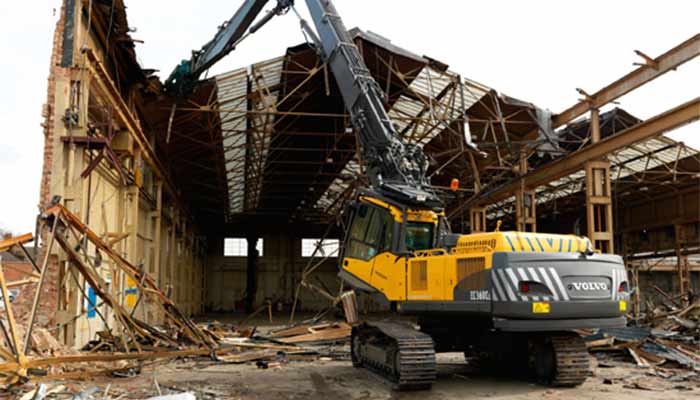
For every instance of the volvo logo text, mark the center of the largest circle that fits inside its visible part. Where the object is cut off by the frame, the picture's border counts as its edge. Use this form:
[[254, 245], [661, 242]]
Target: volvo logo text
[[588, 286]]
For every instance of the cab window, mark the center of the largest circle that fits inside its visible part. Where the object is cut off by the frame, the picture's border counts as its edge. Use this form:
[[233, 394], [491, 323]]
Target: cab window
[[368, 232], [419, 235], [388, 232], [380, 231]]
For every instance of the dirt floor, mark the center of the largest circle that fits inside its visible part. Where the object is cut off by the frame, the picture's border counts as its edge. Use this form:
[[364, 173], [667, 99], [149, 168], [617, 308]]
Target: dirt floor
[[339, 380]]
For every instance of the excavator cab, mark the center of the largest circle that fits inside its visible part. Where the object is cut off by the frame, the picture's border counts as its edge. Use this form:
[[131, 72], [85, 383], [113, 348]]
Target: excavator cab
[[377, 226], [381, 237]]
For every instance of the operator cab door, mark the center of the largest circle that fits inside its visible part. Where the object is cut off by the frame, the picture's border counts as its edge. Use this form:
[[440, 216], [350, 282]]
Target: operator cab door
[[368, 253], [426, 273]]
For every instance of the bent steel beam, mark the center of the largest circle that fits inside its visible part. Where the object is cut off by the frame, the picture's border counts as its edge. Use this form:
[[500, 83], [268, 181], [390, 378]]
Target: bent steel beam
[[669, 120], [668, 61]]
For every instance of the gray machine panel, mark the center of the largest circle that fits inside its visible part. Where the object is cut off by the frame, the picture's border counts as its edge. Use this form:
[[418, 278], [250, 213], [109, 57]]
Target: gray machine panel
[[568, 276], [578, 286]]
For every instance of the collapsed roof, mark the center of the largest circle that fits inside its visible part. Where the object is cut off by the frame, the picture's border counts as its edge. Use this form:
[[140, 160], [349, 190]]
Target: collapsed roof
[[272, 140]]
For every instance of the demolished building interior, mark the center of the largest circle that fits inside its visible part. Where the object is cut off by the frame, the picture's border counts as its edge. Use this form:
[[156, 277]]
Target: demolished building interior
[[157, 209]]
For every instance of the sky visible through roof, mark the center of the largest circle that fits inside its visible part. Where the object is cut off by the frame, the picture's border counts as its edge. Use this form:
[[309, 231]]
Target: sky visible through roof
[[535, 51]]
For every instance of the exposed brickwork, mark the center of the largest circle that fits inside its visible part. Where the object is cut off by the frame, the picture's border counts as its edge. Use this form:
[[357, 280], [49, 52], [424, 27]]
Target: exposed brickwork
[[12, 270], [49, 112], [46, 315]]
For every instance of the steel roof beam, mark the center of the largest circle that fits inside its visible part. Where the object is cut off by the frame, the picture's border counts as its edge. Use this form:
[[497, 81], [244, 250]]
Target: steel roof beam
[[669, 120], [647, 72]]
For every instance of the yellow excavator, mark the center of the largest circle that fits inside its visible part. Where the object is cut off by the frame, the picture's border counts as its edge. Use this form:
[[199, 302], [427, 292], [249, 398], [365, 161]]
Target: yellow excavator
[[510, 299]]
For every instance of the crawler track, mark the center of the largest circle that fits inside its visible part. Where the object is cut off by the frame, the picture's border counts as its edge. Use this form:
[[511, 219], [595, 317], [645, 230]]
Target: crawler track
[[572, 365], [397, 352], [561, 360]]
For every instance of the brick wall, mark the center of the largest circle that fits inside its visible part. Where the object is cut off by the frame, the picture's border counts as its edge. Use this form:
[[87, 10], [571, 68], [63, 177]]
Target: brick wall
[[49, 113], [46, 314], [12, 270]]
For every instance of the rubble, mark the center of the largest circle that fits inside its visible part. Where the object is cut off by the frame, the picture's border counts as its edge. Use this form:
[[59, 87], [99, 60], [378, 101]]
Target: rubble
[[123, 348], [306, 342], [666, 343], [319, 333]]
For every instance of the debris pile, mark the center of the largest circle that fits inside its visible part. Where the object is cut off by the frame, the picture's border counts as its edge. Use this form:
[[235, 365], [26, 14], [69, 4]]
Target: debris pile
[[319, 333], [127, 343], [666, 344], [89, 391], [264, 348], [32, 354], [306, 341], [72, 235]]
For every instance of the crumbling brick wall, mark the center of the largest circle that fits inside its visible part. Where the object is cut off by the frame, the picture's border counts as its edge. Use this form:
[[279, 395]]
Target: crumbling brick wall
[[46, 313], [49, 112], [13, 270]]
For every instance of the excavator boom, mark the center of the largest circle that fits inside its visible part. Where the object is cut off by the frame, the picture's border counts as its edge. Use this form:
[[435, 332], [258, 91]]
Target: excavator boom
[[395, 168], [185, 76]]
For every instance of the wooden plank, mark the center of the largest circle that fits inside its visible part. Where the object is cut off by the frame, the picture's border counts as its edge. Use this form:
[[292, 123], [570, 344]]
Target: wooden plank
[[294, 331], [250, 356], [20, 270], [258, 345], [6, 244], [157, 226], [649, 357], [99, 357], [341, 332], [639, 360], [302, 329], [21, 282], [90, 141], [21, 359], [6, 354], [39, 287], [687, 352], [117, 237], [604, 342], [256, 355]]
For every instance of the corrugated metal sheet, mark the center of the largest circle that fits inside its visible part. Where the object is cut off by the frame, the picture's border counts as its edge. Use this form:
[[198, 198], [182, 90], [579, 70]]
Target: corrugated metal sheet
[[232, 91], [440, 112], [420, 100], [626, 162]]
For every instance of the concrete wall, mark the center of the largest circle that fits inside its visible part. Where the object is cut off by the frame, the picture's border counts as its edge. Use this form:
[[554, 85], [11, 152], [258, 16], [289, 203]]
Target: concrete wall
[[279, 271]]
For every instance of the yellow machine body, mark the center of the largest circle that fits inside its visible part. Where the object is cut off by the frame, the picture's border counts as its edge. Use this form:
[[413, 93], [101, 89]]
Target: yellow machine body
[[431, 274], [490, 292]]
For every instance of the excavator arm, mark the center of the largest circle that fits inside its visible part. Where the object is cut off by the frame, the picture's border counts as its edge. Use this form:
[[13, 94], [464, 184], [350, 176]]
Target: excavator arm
[[184, 77], [395, 169]]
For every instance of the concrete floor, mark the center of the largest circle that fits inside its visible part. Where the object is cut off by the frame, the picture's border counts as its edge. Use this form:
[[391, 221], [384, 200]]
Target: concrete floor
[[339, 380]]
